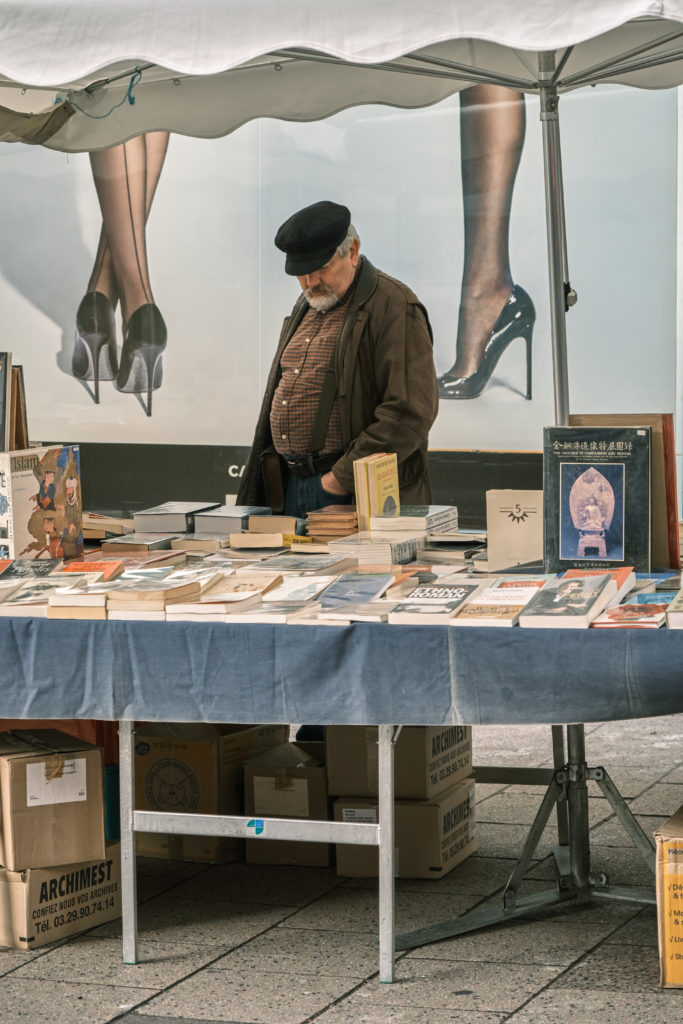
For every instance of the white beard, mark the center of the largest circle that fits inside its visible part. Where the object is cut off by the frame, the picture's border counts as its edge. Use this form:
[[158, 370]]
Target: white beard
[[321, 302]]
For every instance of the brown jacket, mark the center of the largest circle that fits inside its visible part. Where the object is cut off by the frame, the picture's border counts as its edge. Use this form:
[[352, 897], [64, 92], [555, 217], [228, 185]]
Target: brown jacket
[[386, 385]]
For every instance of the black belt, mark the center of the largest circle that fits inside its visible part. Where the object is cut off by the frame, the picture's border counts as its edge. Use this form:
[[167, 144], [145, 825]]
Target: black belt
[[311, 465]]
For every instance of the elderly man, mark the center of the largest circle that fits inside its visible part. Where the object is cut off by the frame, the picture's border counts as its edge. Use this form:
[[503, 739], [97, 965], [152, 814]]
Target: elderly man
[[353, 374]]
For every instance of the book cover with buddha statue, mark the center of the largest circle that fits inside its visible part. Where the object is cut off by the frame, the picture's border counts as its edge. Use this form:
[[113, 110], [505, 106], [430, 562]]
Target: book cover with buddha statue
[[596, 498]]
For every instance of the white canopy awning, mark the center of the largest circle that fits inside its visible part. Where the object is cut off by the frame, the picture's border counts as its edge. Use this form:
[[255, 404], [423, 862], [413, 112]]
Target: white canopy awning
[[84, 74]]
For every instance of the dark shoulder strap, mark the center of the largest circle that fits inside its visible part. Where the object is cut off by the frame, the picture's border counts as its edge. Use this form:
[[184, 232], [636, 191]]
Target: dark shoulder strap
[[324, 410]]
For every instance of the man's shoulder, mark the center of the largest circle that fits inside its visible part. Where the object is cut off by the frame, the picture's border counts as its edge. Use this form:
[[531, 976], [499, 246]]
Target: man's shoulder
[[376, 282]]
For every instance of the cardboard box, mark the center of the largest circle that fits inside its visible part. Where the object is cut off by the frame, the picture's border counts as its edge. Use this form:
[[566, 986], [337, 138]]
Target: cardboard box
[[195, 769], [431, 836], [286, 782], [51, 799], [669, 872], [427, 760], [41, 905]]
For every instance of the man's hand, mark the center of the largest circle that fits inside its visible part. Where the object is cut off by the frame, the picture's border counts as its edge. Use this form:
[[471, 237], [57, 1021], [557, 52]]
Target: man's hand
[[330, 484]]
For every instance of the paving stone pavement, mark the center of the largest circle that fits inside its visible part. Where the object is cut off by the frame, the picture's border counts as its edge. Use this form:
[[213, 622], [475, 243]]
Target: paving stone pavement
[[249, 944]]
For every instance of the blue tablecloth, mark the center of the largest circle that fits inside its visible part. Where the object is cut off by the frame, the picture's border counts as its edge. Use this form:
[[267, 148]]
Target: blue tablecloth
[[365, 673]]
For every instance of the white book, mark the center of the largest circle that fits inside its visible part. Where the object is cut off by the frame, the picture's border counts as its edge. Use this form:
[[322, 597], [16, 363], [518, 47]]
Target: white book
[[130, 613], [298, 589], [277, 612]]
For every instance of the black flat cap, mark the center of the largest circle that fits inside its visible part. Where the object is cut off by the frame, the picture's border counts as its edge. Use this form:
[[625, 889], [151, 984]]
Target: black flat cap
[[310, 237]]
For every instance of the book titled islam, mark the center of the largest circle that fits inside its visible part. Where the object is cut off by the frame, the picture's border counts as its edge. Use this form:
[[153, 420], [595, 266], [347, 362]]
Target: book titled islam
[[40, 503]]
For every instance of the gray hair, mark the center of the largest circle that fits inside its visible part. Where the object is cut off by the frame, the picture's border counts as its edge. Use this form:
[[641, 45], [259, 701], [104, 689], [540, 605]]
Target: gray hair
[[344, 247]]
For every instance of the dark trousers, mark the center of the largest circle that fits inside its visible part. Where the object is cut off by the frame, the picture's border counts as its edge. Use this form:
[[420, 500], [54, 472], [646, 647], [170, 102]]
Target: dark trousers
[[305, 494]]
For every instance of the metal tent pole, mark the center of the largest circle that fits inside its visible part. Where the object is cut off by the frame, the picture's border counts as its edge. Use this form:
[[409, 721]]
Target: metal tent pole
[[554, 209]]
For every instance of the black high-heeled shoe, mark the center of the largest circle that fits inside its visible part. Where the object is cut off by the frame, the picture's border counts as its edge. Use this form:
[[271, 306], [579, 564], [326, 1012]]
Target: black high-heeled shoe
[[516, 320], [144, 340], [94, 356]]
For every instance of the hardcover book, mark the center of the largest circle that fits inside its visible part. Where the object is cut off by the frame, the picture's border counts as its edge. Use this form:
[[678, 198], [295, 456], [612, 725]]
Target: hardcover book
[[131, 542], [514, 530], [376, 486], [226, 519], [40, 503], [5, 400], [665, 536], [596, 498], [170, 517], [18, 431]]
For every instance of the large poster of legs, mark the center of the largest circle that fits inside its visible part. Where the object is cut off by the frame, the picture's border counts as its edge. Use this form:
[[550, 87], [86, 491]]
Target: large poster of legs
[[142, 293]]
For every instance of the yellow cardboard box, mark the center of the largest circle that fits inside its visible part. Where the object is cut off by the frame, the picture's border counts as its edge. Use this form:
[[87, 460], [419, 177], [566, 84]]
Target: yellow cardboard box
[[669, 872], [286, 782], [51, 799], [41, 905], [427, 760], [430, 836], [195, 768]]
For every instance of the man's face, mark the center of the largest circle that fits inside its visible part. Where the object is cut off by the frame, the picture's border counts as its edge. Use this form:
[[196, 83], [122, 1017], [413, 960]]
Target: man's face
[[323, 288]]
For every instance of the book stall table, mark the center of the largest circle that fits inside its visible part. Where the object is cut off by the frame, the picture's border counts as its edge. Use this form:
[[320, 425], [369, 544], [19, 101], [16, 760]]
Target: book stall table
[[363, 674]]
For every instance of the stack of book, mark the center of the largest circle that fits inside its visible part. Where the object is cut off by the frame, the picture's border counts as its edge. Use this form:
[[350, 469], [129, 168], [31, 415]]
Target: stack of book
[[265, 532], [428, 518], [331, 522], [383, 549], [224, 597], [97, 526]]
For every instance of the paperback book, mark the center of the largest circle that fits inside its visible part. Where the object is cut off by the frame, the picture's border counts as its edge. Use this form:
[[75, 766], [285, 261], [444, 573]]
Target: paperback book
[[596, 497], [31, 598], [498, 605], [40, 503], [572, 603], [27, 568], [632, 616], [328, 565], [674, 612], [432, 605], [354, 587]]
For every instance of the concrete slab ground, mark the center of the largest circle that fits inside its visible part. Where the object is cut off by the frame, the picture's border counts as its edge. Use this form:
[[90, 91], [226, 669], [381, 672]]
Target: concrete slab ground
[[250, 944]]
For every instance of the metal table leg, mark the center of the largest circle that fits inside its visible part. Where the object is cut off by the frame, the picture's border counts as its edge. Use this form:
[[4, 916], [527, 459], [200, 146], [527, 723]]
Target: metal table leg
[[387, 737], [129, 903], [568, 783]]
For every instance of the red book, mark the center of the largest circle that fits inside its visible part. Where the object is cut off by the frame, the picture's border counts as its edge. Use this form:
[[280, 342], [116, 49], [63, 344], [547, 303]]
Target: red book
[[110, 568]]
